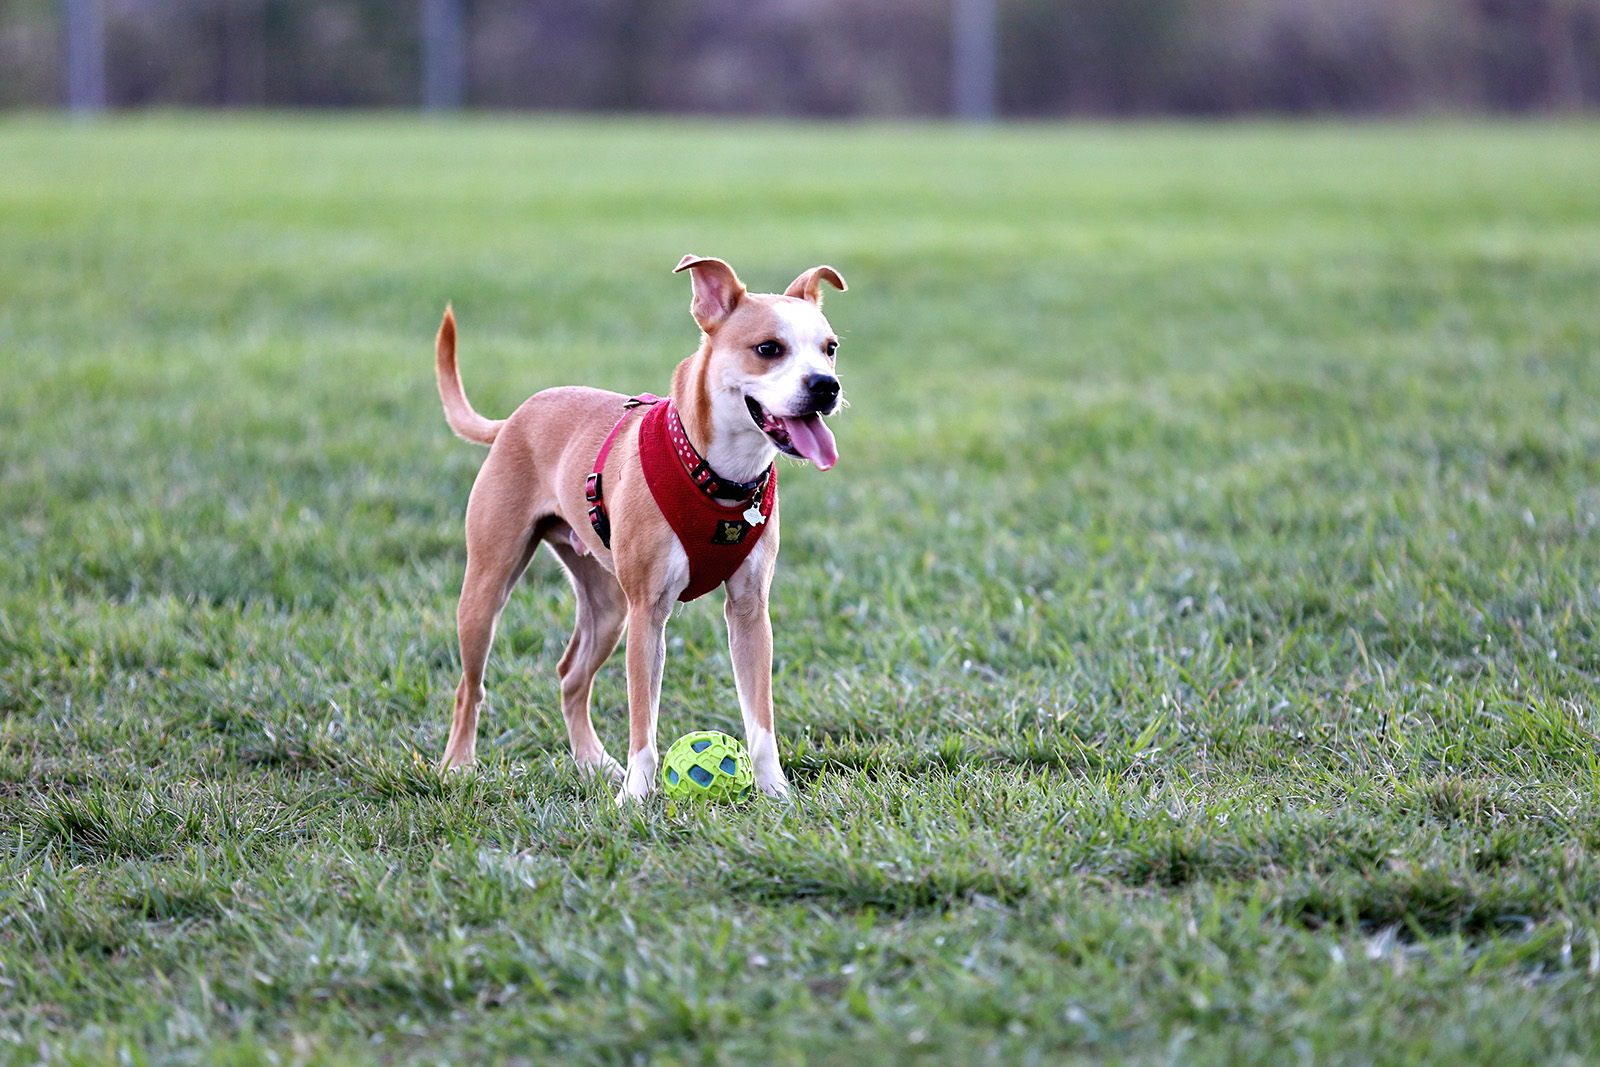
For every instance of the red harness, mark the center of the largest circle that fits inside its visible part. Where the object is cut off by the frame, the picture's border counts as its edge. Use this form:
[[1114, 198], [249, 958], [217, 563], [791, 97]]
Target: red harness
[[716, 536]]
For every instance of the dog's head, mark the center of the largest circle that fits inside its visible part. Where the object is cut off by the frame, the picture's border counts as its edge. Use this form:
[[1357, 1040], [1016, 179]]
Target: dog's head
[[770, 357]]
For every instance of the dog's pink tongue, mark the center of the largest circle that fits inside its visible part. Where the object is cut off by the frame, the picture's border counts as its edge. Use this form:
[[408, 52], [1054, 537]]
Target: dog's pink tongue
[[812, 439]]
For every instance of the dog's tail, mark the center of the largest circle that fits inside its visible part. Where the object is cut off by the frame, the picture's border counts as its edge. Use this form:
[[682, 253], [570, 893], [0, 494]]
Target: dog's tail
[[467, 424]]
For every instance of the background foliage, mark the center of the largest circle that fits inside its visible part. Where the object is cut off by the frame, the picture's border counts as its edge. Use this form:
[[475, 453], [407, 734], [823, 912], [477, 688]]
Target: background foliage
[[838, 57]]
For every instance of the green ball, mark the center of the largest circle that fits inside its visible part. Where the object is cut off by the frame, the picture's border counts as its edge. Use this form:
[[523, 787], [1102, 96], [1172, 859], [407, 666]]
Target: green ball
[[707, 765]]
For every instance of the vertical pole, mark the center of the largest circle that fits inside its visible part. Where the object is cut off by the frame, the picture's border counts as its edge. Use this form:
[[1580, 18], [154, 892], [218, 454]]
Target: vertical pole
[[443, 63], [973, 65], [86, 56]]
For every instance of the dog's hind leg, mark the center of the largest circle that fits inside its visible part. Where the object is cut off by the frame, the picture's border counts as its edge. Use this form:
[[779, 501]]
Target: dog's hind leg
[[602, 614], [494, 565]]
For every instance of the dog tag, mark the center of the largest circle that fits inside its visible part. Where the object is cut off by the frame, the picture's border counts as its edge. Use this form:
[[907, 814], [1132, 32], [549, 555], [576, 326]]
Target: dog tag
[[753, 516]]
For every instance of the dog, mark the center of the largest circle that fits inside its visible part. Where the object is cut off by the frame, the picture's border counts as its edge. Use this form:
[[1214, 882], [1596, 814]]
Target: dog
[[648, 501]]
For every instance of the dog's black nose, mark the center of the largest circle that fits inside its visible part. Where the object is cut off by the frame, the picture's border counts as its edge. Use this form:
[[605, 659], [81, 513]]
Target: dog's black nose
[[824, 389]]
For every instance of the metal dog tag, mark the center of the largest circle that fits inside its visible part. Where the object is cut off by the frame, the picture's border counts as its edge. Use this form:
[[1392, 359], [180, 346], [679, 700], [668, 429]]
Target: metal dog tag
[[753, 516]]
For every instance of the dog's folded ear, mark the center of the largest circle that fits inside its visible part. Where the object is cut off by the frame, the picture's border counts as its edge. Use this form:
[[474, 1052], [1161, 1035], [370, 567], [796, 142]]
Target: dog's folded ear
[[808, 285], [717, 290]]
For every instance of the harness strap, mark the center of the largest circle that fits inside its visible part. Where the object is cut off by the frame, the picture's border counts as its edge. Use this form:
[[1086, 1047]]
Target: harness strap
[[599, 518]]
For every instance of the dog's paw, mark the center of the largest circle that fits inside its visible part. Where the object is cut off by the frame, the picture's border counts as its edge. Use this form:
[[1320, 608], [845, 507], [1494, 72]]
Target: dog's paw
[[764, 762], [629, 795], [639, 780], [777, 788], [601, 767]]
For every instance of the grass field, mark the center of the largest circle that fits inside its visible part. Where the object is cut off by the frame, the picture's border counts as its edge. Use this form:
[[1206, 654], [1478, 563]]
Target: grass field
[[1193, 657]]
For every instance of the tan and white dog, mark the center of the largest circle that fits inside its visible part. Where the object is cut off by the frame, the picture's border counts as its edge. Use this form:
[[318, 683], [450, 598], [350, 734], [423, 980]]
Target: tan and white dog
[[759, 384]]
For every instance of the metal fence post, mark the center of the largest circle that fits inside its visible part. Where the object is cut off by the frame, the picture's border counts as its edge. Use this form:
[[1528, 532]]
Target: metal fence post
[[86, 56], [443, 63], [973, 67]]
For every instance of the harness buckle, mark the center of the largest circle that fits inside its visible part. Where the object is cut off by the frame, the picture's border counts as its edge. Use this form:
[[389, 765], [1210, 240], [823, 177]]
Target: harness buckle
[[601, 523], [591, 489]]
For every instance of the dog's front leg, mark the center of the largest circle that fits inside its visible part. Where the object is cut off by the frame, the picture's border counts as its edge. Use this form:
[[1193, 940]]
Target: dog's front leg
[[750, 648], [647, 654]]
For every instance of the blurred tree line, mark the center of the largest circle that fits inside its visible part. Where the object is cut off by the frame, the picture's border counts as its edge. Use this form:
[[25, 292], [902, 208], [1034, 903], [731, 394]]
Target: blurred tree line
[[832, 57]]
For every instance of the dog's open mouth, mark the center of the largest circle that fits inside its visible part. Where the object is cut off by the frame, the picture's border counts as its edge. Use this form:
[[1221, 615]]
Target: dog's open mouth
[[806, 436]]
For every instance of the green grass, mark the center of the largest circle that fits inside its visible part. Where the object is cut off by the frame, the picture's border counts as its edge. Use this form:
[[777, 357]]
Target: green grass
[[1192, 658]]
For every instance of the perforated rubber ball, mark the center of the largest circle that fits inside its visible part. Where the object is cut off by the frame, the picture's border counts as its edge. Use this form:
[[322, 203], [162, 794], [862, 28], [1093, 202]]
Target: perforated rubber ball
[[707, 765]]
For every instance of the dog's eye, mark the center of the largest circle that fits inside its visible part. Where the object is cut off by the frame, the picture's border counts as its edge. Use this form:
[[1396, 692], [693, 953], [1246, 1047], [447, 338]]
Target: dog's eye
[[769, 350], [830, 348]]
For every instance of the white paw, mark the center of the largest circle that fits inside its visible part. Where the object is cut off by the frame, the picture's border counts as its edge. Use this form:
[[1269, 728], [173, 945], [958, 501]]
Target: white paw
[[639, 781], [764, 763], [774, 787]]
